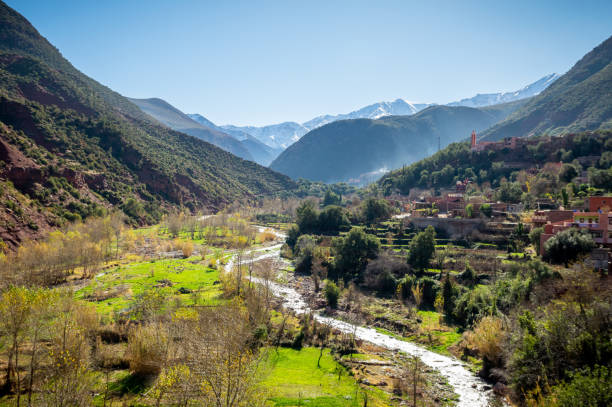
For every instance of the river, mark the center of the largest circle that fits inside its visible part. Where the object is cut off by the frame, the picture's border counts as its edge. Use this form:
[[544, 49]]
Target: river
[[472, 391]]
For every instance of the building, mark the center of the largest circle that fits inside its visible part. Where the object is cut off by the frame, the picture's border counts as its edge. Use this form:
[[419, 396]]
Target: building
[[598, 224], [598, 203]]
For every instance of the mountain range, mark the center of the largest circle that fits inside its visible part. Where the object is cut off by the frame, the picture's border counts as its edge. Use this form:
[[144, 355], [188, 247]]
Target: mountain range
[[240, 144], [355, 150], [282, 135], [359, 151], [72, 148]]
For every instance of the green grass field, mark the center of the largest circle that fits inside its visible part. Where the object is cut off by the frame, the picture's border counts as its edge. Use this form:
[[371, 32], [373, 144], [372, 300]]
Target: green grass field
[[293, 379], [119, 285]]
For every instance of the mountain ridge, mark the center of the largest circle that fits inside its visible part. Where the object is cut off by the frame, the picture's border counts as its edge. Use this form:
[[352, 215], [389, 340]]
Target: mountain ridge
[[72, 148], [358, 150], [282, 135]]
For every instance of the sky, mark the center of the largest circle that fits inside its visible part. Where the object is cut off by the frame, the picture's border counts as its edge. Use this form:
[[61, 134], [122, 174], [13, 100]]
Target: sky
[[265, 62]]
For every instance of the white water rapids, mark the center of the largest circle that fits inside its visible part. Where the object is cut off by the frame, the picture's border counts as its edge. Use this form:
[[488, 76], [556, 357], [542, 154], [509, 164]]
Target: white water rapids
[[472, 391]]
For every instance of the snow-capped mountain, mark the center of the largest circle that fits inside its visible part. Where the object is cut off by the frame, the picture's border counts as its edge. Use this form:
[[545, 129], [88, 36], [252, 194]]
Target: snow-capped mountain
[[282, 135], [487, 99], [399, 107]]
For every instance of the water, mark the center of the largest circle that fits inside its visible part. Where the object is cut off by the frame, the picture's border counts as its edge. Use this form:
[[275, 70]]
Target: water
[[470, 388]]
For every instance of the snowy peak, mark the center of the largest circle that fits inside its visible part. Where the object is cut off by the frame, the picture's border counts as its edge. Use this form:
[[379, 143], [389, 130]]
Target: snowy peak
[[399, 107], [487, 99]]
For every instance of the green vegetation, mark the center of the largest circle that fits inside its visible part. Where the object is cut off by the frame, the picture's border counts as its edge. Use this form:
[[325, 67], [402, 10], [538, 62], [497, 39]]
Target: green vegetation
[[295, 380], [458, 162]]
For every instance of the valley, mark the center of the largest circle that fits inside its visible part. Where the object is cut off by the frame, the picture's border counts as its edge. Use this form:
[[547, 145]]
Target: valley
[[402, 254]]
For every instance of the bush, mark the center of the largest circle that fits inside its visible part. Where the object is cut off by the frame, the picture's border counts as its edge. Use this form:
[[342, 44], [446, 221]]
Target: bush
[[473, 305], [568, 245], [488, 338], [332, 293], [292, 236], [587, 388], [147, 349], [486, 210], [430, 289], [381, 274]]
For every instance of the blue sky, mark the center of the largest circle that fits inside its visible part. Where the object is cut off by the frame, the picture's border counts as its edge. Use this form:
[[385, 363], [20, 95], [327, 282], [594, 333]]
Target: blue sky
[[263, 62]]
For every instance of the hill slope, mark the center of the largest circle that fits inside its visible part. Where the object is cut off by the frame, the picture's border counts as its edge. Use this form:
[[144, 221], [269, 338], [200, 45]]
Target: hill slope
[[578, 100], [262, 153], [501, 160], [362, 149], [72, 148], [170, 116]]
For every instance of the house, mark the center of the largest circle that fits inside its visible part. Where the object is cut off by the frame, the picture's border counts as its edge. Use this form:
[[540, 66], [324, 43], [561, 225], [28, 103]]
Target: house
[[598, 224], [598, 203], [541, 218]]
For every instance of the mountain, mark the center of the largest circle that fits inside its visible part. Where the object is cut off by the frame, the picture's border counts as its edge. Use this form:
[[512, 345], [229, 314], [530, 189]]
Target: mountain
[[361, 150], [398, 107], [284, 134], [577, 101], [488, 99], [262, 153], [277, 136], [170, 116], [72, 148]]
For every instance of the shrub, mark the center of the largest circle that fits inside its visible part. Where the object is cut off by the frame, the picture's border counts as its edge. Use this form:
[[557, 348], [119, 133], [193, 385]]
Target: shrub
[[488, 338], [332, 293], [568, 245], [430, 288], [587, 388], [486, 210], [147, 349], [473, 305]]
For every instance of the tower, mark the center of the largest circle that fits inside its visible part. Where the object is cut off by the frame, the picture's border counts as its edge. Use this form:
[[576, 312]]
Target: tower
[[473, 138]]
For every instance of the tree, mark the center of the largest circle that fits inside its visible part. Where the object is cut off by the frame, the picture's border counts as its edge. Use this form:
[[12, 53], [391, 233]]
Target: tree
[[568, 245], [332, 293], [332, 219], [374, 210], [448, 296], [509, 192], [331, 198], [307, 217], [292, 236], [304, 253], [422, 248], [568, 173], [353, 252], [15, 311]]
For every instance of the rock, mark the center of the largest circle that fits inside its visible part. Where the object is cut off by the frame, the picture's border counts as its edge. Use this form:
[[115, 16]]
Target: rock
[[184, 290]]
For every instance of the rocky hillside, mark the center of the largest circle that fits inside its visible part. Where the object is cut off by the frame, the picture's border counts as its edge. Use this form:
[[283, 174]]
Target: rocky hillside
[[71, 148]]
